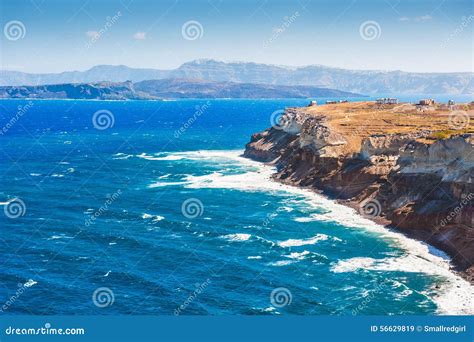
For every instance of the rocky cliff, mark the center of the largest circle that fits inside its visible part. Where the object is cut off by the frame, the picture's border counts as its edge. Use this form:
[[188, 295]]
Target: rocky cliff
[[165, 89], [421, 186]]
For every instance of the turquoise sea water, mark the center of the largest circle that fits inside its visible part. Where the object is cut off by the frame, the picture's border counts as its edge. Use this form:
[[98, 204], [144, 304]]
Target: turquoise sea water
[[159, 214]]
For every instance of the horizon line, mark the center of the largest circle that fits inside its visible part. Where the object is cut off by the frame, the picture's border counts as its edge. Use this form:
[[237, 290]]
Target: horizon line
[[290, 67]]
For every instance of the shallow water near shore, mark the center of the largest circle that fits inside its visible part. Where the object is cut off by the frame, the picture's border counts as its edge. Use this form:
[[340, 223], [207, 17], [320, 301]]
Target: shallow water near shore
[[243, 237]]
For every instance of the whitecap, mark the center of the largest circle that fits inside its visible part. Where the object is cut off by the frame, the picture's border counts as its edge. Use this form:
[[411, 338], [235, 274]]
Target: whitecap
[[281, 263], [30, 283], [236, 237], [303, 242], [159, 157], [57, 237], [163, 184], [456, 294], [121, 156], [297, 256], [155, 218]]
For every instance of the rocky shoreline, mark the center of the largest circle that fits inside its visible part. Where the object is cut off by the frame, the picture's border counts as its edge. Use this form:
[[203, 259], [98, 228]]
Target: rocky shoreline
[[422, 188]]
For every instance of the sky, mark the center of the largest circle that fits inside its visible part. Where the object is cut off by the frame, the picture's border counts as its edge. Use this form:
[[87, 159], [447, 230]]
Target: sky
[[43, 36]]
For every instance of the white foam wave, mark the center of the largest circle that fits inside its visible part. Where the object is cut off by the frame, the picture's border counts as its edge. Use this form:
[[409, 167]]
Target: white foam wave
[[282, 263], [154, 218], [163, 184], [302, 242], [297, 256], [120, 156], [160, 157], [455, 295], [237, 237], [30, 283]]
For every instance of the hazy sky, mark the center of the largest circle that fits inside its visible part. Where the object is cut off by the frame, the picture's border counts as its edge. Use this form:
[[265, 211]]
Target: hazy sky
[[411, 35]]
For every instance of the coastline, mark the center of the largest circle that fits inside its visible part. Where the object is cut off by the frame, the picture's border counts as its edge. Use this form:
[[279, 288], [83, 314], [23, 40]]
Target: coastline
[[453, 294], [402, 180], [457, 290]]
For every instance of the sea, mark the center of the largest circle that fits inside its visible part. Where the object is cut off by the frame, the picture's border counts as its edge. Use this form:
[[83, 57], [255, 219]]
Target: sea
[[149, 208]]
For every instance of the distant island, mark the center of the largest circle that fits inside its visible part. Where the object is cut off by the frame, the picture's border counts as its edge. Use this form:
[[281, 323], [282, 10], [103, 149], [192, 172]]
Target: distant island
[[166, 89], [355, 81]]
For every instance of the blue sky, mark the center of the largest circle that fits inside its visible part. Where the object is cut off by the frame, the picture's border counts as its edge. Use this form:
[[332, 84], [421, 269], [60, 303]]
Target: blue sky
[[55, 35]]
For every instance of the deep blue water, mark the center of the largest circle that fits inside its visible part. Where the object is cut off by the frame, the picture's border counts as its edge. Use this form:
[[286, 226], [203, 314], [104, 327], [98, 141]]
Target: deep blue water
[[104, 209]]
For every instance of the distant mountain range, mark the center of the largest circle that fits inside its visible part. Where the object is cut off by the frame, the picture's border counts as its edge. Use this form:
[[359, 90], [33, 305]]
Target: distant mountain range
[[358, 81], [165, 89]]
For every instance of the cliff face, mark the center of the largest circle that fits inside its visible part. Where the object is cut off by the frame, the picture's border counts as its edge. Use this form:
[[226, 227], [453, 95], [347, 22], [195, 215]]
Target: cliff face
[[425, 189]]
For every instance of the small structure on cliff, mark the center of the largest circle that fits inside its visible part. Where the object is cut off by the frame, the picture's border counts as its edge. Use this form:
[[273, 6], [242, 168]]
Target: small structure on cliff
[[387, 100], [426, 102], [313, 103]]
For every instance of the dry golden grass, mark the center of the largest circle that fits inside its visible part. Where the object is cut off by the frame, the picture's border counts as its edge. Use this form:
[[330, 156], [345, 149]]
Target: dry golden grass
[[357, 120]]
